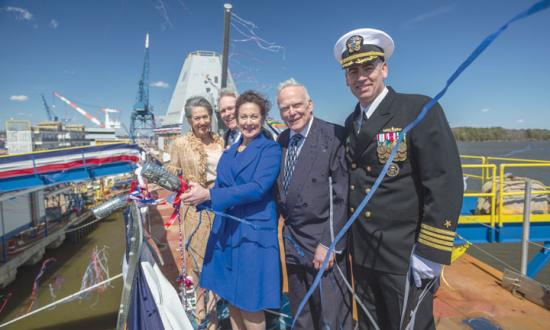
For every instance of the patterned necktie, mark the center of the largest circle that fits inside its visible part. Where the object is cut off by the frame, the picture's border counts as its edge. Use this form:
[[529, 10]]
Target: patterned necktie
[[231, 139], [291, 158]]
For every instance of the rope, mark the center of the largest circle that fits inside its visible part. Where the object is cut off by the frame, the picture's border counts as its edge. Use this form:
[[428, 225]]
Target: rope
[[487, 253], [84, 225], [539, 245], [423, 294], [278, 314], [356, 297], [348, 285], [232, 217], [541, 5], [60, 301]]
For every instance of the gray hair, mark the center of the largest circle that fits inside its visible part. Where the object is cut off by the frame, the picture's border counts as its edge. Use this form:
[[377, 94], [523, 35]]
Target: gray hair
[[292, 83], [196, 101], [227, 92]]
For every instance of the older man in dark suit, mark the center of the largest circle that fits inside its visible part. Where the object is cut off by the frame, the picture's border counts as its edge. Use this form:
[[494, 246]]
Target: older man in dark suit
[[313, 174]]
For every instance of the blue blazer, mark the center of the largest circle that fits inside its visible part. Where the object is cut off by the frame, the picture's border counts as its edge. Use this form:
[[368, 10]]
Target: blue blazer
[[245, 180], [241, 263]]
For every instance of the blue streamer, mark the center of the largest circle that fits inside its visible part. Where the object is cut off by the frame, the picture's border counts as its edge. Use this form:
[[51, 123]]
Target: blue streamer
[[295, 245], [232, 217], [537, 7]]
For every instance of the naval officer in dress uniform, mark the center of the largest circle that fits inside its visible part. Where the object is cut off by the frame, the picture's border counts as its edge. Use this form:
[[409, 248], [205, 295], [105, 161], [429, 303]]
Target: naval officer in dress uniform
[[408, 227]]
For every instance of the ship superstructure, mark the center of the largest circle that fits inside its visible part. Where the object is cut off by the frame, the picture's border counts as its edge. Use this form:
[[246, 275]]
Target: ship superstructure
[[199, 76]]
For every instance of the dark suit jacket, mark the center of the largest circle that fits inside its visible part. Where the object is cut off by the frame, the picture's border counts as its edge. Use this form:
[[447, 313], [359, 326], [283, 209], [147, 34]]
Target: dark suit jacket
[[419, 201], [305, 206]]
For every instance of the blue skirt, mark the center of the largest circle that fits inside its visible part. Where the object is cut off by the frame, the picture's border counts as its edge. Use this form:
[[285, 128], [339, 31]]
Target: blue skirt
[[242, 264]]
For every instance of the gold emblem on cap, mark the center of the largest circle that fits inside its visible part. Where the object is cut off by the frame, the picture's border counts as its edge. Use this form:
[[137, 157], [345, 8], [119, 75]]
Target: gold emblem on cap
[[354, 44]]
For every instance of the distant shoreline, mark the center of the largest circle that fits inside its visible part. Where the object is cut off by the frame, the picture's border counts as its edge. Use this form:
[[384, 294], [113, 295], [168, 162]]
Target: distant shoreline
[[499, 134]]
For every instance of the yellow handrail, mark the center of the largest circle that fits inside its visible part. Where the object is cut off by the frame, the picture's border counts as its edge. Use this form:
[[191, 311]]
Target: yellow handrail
[[490, 168], [517, 160], [483, 160], [489, 171]]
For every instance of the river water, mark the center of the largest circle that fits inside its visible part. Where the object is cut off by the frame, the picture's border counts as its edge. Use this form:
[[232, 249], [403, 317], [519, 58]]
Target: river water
[[99, 311]]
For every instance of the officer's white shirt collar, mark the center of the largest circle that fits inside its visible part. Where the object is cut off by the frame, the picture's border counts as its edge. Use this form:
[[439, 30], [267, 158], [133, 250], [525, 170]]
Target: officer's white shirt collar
[[370, 108]]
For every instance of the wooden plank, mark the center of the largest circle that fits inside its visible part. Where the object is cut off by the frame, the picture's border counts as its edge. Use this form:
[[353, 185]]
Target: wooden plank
[[526, 287]]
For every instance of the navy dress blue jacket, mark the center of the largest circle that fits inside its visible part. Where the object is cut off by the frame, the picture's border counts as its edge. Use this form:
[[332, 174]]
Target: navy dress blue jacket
[[242, 263]]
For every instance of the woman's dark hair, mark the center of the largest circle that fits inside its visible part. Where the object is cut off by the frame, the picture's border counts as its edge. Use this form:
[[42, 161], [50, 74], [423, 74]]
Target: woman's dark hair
[[254, 97]]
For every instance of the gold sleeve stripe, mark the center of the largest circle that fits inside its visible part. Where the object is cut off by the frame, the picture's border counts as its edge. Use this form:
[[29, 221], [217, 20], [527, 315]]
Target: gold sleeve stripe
[[432, 234], [435, 240], [437, 230], [435, 246]]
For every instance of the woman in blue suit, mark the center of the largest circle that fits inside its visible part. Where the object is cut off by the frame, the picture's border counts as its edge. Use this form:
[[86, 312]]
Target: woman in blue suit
[[241, 262]]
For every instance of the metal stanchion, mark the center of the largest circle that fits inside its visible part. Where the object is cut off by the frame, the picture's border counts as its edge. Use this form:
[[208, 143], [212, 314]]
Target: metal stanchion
[[526, 225]]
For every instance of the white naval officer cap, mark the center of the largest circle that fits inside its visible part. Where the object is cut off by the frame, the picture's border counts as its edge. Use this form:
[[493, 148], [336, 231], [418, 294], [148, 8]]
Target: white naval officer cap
[[363, 45]]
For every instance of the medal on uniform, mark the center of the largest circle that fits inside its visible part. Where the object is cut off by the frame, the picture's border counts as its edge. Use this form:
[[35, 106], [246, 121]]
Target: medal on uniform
[[393, 170], [386, 141], [401, 152]]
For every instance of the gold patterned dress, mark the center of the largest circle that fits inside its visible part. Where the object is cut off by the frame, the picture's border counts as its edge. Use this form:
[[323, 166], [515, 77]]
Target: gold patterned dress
[[194, 161]]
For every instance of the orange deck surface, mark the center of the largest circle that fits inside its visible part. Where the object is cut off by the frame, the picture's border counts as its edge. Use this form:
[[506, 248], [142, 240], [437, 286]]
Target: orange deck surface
[[472, 289], [469, 289]]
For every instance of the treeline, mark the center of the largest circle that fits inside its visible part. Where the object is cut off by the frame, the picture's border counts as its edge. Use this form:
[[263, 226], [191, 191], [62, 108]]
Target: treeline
[[476, 134]]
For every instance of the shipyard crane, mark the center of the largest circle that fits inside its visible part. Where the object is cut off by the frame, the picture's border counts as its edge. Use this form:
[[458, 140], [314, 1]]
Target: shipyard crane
[[109, 122], [49, 111], [79, 109], [143, 120]]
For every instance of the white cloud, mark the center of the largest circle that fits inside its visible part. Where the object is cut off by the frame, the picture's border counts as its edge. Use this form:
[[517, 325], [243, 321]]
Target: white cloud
[[21, 14], [485, 110], [160, 84], [429, 15], [19, 98], [54, 24], [520, 121]]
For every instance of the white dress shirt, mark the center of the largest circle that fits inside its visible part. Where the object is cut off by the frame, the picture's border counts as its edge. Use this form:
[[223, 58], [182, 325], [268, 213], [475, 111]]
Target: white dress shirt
[[304, 132], [370, 108]]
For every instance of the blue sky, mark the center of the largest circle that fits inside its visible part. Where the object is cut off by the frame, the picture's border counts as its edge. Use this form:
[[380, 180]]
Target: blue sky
[[92, 53]]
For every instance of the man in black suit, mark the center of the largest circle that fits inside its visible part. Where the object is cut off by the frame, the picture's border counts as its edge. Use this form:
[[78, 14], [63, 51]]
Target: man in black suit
[[408, 227], [313, 173]]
